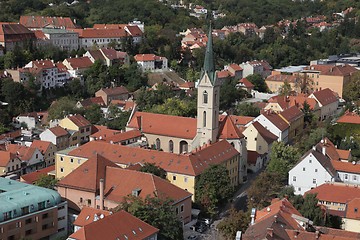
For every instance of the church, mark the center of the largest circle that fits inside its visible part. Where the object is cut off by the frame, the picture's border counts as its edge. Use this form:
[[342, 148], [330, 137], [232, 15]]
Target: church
[[182, 135]]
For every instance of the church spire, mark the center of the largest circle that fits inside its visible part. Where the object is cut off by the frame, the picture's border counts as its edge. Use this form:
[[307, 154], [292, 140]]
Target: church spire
[[209, 66]]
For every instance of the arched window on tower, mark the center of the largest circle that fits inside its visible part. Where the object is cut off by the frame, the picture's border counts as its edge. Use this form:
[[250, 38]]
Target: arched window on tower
[[204, 119], [171, 146], [205, 97]]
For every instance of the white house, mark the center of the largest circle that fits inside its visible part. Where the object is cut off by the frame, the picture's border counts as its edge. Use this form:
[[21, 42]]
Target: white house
[[275, 124], [328, 102], [262, 68], [348, 172], [32, 158], [62, 38], [30, 119], [151, 62], [57, 135], [314, 169]]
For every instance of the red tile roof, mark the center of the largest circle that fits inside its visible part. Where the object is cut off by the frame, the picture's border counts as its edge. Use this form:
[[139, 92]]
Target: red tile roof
[[276, 120], [23, 152], [118, 138], [115, 90], [79, 63], [340, 193], [252, 157], [79, 120], [103, 132], [332, 70], [175, 126], [41, 22], [14, 32], [266, 134], [283, 78], [89, 215], [134, 31], [5, 157], [228, 130], [223, 74], [325, 96], [87, 176], [299, 101], [246, 83], [43, 146], [349, 117], [58, 131], [323, 234], [192, 164], [145, 57], [94, 100], [346, 167], [109, 26], [32, 177], [118, 225], [102, 33], [292, 114], [188, 85], [353, 209], [241, 120], [236, 67], [112, 54]]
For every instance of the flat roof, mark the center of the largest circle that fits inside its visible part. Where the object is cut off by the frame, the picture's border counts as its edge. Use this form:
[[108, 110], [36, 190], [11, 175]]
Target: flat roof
[[292, 69]]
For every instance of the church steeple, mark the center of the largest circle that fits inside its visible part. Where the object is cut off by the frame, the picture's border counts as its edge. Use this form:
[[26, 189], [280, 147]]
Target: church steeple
[[209, 66]]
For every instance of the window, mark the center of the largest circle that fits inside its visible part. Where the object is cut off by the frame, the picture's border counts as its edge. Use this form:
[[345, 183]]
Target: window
[[171, 146], [174, 178], [259, 148], [354, 177], [356, 210], [28, 221], [82, 130], [41, 205], [87, 129], [71, 160], [7, 215], [24, 210], [89, 202], [294, 178], [185, 179], [310, 160], [204, 119], [182, 208], [205, 97], [299, 189], [61, 169], [28, 232], [177, 210], [45, 215], [314, 181], [303, 169], [316, 170], [346, 177], [158, 144], [81, 200]]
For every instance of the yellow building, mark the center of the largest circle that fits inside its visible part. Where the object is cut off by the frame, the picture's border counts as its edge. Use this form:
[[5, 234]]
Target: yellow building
[[78, 127], [295, 118], [275, 82], [182, 169]]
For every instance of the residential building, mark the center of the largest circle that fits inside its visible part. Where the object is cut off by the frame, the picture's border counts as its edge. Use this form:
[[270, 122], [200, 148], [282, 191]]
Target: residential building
[[151, 62], [349, 118], [28, 211], [57, 136], [62, 38], [100, 38], [351, 220], [245, 85], [31, 120], [262, 68], [31, 178], [99, 132], [78, 127], [275, 124], [77, 66], [115, 225], [134, 29], [235, 70], [327, 101], [91, 101], [255, 161], [113, 93], [108, 56], [329, 76], [295, 119], [10, 164], [40, 22], [89, 215], [258, 138], [14, 34], [47, 149], [275, 82], [32, 159], [182, 169], [92, 184], [281, 221]]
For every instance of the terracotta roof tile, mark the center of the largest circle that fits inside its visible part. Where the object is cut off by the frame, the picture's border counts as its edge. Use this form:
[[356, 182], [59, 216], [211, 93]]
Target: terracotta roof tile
[[102, 33], [266, 134], [346, 167], [228, 130], [246, 83], [349, 117], [114, 226], [292, 114], [276, 120], [340, 193], [79, 63], [252, 157], [332, 70], [88, 214], [325, 96], [32, 177], [58, 131], [145, 57], [43, 146], [41, 22], [117, 138], [241, 120], [223, 74], [94, 100], [353, 209], [103, 132], [235, 67], [5, 157], [134, 31], [23, 152], [79, 120], [115, 91]]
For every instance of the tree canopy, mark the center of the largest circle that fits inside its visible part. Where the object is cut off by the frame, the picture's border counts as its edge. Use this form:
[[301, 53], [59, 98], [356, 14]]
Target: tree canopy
[[236, 221], [153, 169], [46, 181]]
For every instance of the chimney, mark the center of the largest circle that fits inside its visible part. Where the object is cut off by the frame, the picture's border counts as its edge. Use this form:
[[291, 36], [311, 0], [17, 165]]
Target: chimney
[[101, 194], [270, 232], [324, 150], [253, 214], [317, 234]]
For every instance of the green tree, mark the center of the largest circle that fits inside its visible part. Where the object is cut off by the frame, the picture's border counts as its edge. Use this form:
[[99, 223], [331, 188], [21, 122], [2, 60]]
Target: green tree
[[230, 95], [176, 107], [46, 181], [213, 187], [119, 120], [93, 113], [266, 186], [282, 159], [3, 128], [156, 212], [352, 89], [237, 221], [153, 169], [308, 115], [258, 81], [247, 109], [311, 210], [62, 107], [285, 89]]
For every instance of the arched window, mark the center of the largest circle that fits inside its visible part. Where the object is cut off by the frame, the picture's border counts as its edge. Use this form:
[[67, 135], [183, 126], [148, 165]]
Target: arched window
[[183, 147], [204, 119], [158, 144], [171, 146], [205, 97]]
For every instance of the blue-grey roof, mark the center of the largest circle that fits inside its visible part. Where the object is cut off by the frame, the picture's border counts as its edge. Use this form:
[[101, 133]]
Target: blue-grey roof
[[15, 195]]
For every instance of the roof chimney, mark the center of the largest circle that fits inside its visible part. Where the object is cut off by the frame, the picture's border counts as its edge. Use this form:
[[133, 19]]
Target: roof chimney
[[101, 194], [253, 214], [324, 150], [270, 232]]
